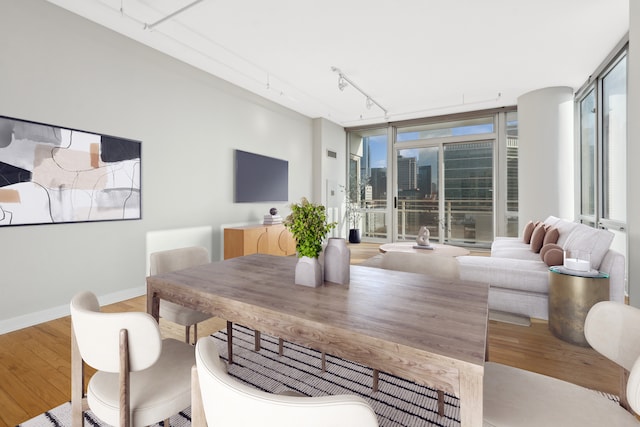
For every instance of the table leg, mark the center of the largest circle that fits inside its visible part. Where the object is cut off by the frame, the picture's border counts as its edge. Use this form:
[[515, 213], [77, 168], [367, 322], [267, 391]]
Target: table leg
[[153, 305], [471, 399], [256, 344], [230, 342]]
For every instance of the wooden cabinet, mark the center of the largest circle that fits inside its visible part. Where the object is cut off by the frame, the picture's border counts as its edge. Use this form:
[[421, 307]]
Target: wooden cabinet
[[258, 239]]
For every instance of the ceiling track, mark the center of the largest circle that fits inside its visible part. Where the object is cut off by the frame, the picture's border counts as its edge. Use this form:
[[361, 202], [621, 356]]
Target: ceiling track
[[172, 15]]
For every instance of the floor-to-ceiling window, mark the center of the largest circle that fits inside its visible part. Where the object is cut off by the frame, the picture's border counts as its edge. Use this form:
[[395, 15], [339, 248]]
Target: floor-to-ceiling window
[[442, 174], [367, 186], [601, 106]]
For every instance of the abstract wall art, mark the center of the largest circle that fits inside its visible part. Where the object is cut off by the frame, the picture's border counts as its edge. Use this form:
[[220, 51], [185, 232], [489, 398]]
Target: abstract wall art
[[50, 174]]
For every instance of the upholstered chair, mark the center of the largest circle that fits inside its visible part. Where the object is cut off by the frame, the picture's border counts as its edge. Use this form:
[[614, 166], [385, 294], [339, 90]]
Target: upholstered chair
[[517, 397], [178, 259], [223, 401], [141, 379]]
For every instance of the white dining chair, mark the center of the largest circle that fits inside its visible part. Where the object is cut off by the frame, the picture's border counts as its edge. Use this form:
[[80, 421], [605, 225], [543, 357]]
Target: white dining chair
[[220, 400], [178, 259], [516, 397], [140, 378]]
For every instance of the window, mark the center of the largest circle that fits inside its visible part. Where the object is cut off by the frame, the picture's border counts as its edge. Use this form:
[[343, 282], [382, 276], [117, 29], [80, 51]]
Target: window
[[602, 115], [438, 172]]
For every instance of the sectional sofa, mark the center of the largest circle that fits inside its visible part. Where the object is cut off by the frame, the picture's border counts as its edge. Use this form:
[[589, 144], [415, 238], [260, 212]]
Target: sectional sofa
[[518, 275]]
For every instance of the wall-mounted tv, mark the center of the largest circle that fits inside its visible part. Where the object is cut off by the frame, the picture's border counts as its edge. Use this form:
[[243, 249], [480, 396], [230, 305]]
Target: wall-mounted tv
[[260, 178]]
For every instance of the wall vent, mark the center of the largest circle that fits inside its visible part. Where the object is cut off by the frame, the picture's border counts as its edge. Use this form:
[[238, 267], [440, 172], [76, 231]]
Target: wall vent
[[332, 154]]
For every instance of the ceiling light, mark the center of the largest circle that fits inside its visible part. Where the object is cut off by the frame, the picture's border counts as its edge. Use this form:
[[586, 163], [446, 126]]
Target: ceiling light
[[344, 81]]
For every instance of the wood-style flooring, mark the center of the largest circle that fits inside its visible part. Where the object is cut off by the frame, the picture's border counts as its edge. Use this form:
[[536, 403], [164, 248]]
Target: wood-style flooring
[[35, 361]]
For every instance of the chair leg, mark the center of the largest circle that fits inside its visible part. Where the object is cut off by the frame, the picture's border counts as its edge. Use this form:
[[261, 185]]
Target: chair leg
[[440, 403], [376, 376], [198, 418], [280, 346], [187, 335], [125, 408], [195, 333], [77, 383], [324, 362]]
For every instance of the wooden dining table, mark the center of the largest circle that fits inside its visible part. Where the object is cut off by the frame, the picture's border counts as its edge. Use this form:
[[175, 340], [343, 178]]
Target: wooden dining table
[[429, 330]]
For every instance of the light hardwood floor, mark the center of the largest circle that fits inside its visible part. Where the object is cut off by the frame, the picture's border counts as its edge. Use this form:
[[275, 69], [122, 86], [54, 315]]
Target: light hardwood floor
[[35, 361]]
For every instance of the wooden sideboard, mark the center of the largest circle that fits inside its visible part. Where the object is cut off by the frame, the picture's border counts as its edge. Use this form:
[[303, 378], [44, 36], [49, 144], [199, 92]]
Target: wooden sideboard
[[258, 239]]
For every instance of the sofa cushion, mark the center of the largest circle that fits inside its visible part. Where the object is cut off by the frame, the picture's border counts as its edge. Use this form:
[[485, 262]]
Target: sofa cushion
[[524, 253], [588, 239], [515, 274], [527, 232], [537, 238]]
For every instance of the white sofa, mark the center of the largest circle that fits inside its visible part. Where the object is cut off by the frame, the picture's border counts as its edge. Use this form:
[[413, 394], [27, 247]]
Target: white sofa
[[519, 278]]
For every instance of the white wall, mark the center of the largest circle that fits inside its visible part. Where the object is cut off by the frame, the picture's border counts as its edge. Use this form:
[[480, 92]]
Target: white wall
[[633, 154], [330, 137], [545, 154], [60, 69]]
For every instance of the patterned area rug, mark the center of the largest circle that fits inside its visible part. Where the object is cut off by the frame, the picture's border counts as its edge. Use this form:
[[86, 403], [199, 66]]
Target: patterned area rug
[[397, 403]]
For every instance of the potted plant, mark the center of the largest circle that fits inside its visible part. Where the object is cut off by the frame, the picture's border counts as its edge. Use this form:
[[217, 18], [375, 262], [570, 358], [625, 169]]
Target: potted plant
[[307, 222], [353, 215]]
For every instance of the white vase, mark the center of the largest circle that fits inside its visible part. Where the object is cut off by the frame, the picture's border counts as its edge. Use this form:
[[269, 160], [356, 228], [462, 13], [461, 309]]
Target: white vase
[[337, 261], [308, 272]]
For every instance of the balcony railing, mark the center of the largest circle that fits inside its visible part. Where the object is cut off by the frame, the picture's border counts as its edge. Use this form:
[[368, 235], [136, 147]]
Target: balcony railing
[[465, 221]]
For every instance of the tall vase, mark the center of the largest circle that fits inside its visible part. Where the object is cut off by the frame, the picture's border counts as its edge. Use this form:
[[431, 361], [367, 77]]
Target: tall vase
[[337, 261], [308, 272]]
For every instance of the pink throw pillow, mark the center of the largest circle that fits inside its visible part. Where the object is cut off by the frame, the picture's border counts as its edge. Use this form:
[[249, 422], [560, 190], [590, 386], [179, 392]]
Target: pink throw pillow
[[527, 232], [537, 238], [551, 236], [548, 247], [554, 257]]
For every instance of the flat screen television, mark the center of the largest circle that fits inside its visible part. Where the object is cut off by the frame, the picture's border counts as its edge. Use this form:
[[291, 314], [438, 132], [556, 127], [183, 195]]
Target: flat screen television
[[260, 178]]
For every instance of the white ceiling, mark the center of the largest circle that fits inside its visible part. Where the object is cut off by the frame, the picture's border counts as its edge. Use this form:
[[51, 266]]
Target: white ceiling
[[415, 58]]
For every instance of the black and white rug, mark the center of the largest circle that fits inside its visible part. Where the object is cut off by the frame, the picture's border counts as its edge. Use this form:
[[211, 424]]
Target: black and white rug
[[397, 402]]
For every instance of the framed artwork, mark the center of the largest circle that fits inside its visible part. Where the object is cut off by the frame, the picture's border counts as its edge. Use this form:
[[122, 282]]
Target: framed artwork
[[50, 175]]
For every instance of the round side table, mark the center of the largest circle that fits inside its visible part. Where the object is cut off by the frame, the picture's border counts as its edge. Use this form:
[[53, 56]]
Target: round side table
[[571, 296]]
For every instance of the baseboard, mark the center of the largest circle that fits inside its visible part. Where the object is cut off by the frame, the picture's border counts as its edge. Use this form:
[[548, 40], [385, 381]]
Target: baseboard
[[31, 319]]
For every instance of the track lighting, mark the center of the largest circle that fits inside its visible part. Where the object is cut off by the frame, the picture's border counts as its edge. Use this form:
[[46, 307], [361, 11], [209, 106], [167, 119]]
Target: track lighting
[[344, 81]]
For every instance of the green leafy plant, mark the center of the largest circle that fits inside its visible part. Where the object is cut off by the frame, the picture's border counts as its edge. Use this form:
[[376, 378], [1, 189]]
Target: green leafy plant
[[308, 225]]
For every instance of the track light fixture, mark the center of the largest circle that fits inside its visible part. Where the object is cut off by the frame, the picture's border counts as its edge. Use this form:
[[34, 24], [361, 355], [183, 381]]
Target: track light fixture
[[369, 103], [344, 81]]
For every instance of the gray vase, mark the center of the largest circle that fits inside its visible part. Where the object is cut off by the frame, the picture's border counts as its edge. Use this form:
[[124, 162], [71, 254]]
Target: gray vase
[[308, 272], [337, 261]]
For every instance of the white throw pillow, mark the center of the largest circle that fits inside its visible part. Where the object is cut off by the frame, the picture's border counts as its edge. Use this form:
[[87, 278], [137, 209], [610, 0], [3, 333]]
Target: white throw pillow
[[593, 240]]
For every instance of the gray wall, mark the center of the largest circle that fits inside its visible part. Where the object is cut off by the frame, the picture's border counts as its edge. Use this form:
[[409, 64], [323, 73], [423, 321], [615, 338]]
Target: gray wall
[[58, 68]]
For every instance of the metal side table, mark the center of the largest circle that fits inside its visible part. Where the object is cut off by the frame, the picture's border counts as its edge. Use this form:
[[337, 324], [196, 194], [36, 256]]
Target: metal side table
[[571, 296]]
